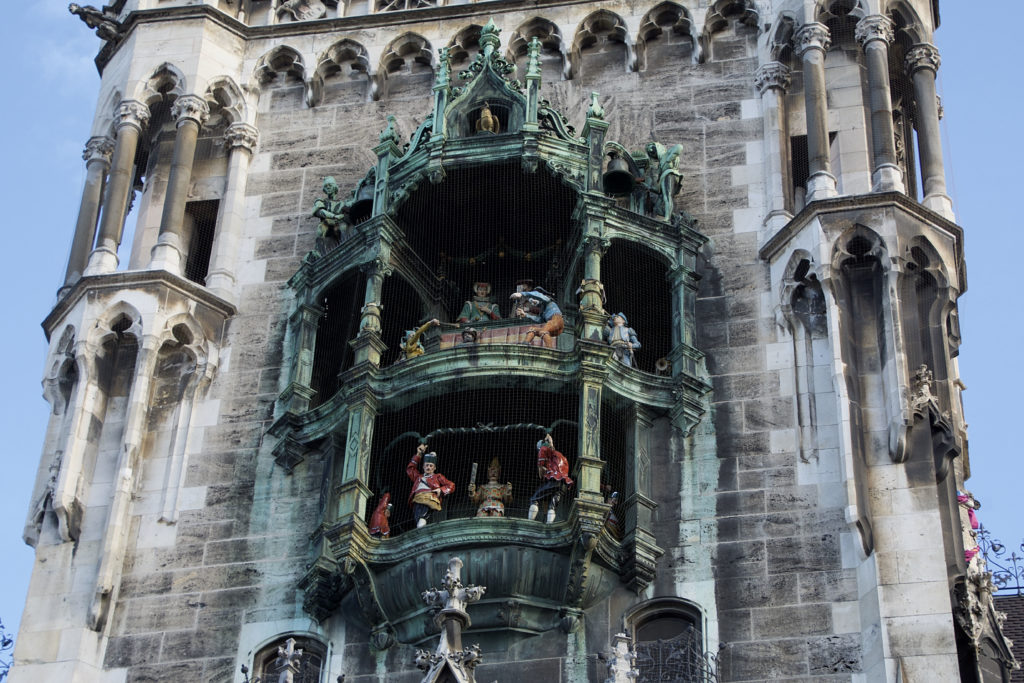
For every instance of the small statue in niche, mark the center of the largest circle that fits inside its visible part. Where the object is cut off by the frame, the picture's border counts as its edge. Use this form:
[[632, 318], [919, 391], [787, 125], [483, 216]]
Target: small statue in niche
[[491, 497], [428, 487], [553, 469], [379, 527], [539, 306], [411, 345], [622, 339], [481, 307], [329, 211], [661, 181], [301, 10], [488, 122]]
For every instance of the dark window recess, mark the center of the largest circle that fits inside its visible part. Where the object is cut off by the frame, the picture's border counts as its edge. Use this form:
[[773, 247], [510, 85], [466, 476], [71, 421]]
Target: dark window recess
[[197, 240], [801, 163]]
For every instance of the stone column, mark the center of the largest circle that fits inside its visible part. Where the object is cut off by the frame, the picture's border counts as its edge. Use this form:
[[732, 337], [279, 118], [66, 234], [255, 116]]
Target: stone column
[[368, 345], [97, 163], [922, 63], [131, 118], [874, 33], [812, 41], [772, 81], [240, 139], [190, 111]]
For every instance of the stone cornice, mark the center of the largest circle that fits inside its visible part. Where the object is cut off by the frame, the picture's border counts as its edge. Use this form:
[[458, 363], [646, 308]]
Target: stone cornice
[[874, 200], [134, 279]]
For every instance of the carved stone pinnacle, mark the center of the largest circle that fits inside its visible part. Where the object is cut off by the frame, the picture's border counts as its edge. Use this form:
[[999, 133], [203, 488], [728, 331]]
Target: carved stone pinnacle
[[241, 135], [773, 75], [922, 56], [874, 27], [190, 107], [813, 36]]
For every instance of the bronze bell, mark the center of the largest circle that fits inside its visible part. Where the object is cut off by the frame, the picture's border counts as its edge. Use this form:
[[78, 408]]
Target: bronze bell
[[617, 179], [362, 206]]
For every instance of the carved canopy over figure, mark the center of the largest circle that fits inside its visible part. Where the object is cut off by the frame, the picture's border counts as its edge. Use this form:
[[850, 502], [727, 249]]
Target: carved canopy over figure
[[661, 181]]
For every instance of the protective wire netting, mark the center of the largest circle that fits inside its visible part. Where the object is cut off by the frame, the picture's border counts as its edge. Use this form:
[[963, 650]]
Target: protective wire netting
[[510, 229]]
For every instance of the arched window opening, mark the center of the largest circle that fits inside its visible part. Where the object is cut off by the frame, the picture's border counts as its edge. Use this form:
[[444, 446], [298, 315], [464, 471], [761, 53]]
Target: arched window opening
[[403, 310], [338, 325], [300, 656], [474, 427], [491, 224], [669, 640], [665, 37], [636, 284], [200, 226], [601, 45], [902, 94]]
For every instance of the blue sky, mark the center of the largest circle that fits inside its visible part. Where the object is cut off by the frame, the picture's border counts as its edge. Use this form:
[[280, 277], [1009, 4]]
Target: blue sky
[[50, 95]]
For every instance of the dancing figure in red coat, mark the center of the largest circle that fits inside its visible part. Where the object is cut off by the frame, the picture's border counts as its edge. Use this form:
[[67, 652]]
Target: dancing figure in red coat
[[379, 527], [428, 487], [553, 469]]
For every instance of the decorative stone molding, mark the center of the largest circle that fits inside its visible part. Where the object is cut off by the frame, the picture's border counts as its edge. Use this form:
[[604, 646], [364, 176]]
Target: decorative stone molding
[[190, 107], [922, 56], [241, 135], [98, 148], [132, 113], [774, 76], [813, 36], [620, 661], [874, 27]]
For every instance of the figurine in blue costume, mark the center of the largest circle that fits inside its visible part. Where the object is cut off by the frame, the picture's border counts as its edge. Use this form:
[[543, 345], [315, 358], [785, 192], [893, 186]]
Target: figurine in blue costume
[[539, 306], [622, 339]]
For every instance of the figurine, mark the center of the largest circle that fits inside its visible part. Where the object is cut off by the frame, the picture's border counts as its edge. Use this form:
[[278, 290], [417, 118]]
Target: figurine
[[661, 179], [427, 488], [492, 496], [622, 339], [611, 519], [379, 527], [103, 21], [329, 210], [482, 307], [541, 307], [411, 345], [553, 469], [488, 122], [469, 336], [517, 310]]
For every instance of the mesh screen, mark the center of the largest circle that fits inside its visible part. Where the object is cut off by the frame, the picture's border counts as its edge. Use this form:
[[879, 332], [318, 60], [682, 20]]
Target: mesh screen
[[902, 93], [197, 238], [473, 427], [338, 324]]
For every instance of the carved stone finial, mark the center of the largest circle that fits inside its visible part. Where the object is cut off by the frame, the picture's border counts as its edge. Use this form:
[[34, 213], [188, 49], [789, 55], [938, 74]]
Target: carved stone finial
[[444, 69], [596, 111], [922, 56], [190, 107], [452, 599], [812, 36], [773, 75], [874, 27], [489, 39], [241, 135], [533, 58], [132, 113], [98, 148]]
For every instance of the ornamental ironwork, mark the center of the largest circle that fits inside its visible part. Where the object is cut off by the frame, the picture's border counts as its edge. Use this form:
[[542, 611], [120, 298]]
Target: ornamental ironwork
[[677, 660], [1007, 570]]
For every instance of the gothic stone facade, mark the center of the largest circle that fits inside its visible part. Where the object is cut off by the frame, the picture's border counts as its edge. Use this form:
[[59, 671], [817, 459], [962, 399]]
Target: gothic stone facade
[[788, 453]]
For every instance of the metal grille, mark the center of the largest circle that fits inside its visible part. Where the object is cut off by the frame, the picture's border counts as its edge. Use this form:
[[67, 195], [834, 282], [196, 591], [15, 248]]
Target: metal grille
[[200, 227], [680, 659]]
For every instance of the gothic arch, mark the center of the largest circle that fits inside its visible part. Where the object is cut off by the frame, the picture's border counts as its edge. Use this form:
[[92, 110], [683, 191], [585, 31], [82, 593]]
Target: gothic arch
[[281, 60], [910, 30], [780, 46], [120, 319], [550, 37], [825, 10], [718, 17], [166, 83], [344, 61], [464, 45], [226, 100], [601, 31], [405, 51], [859, 242], [662, 23]]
